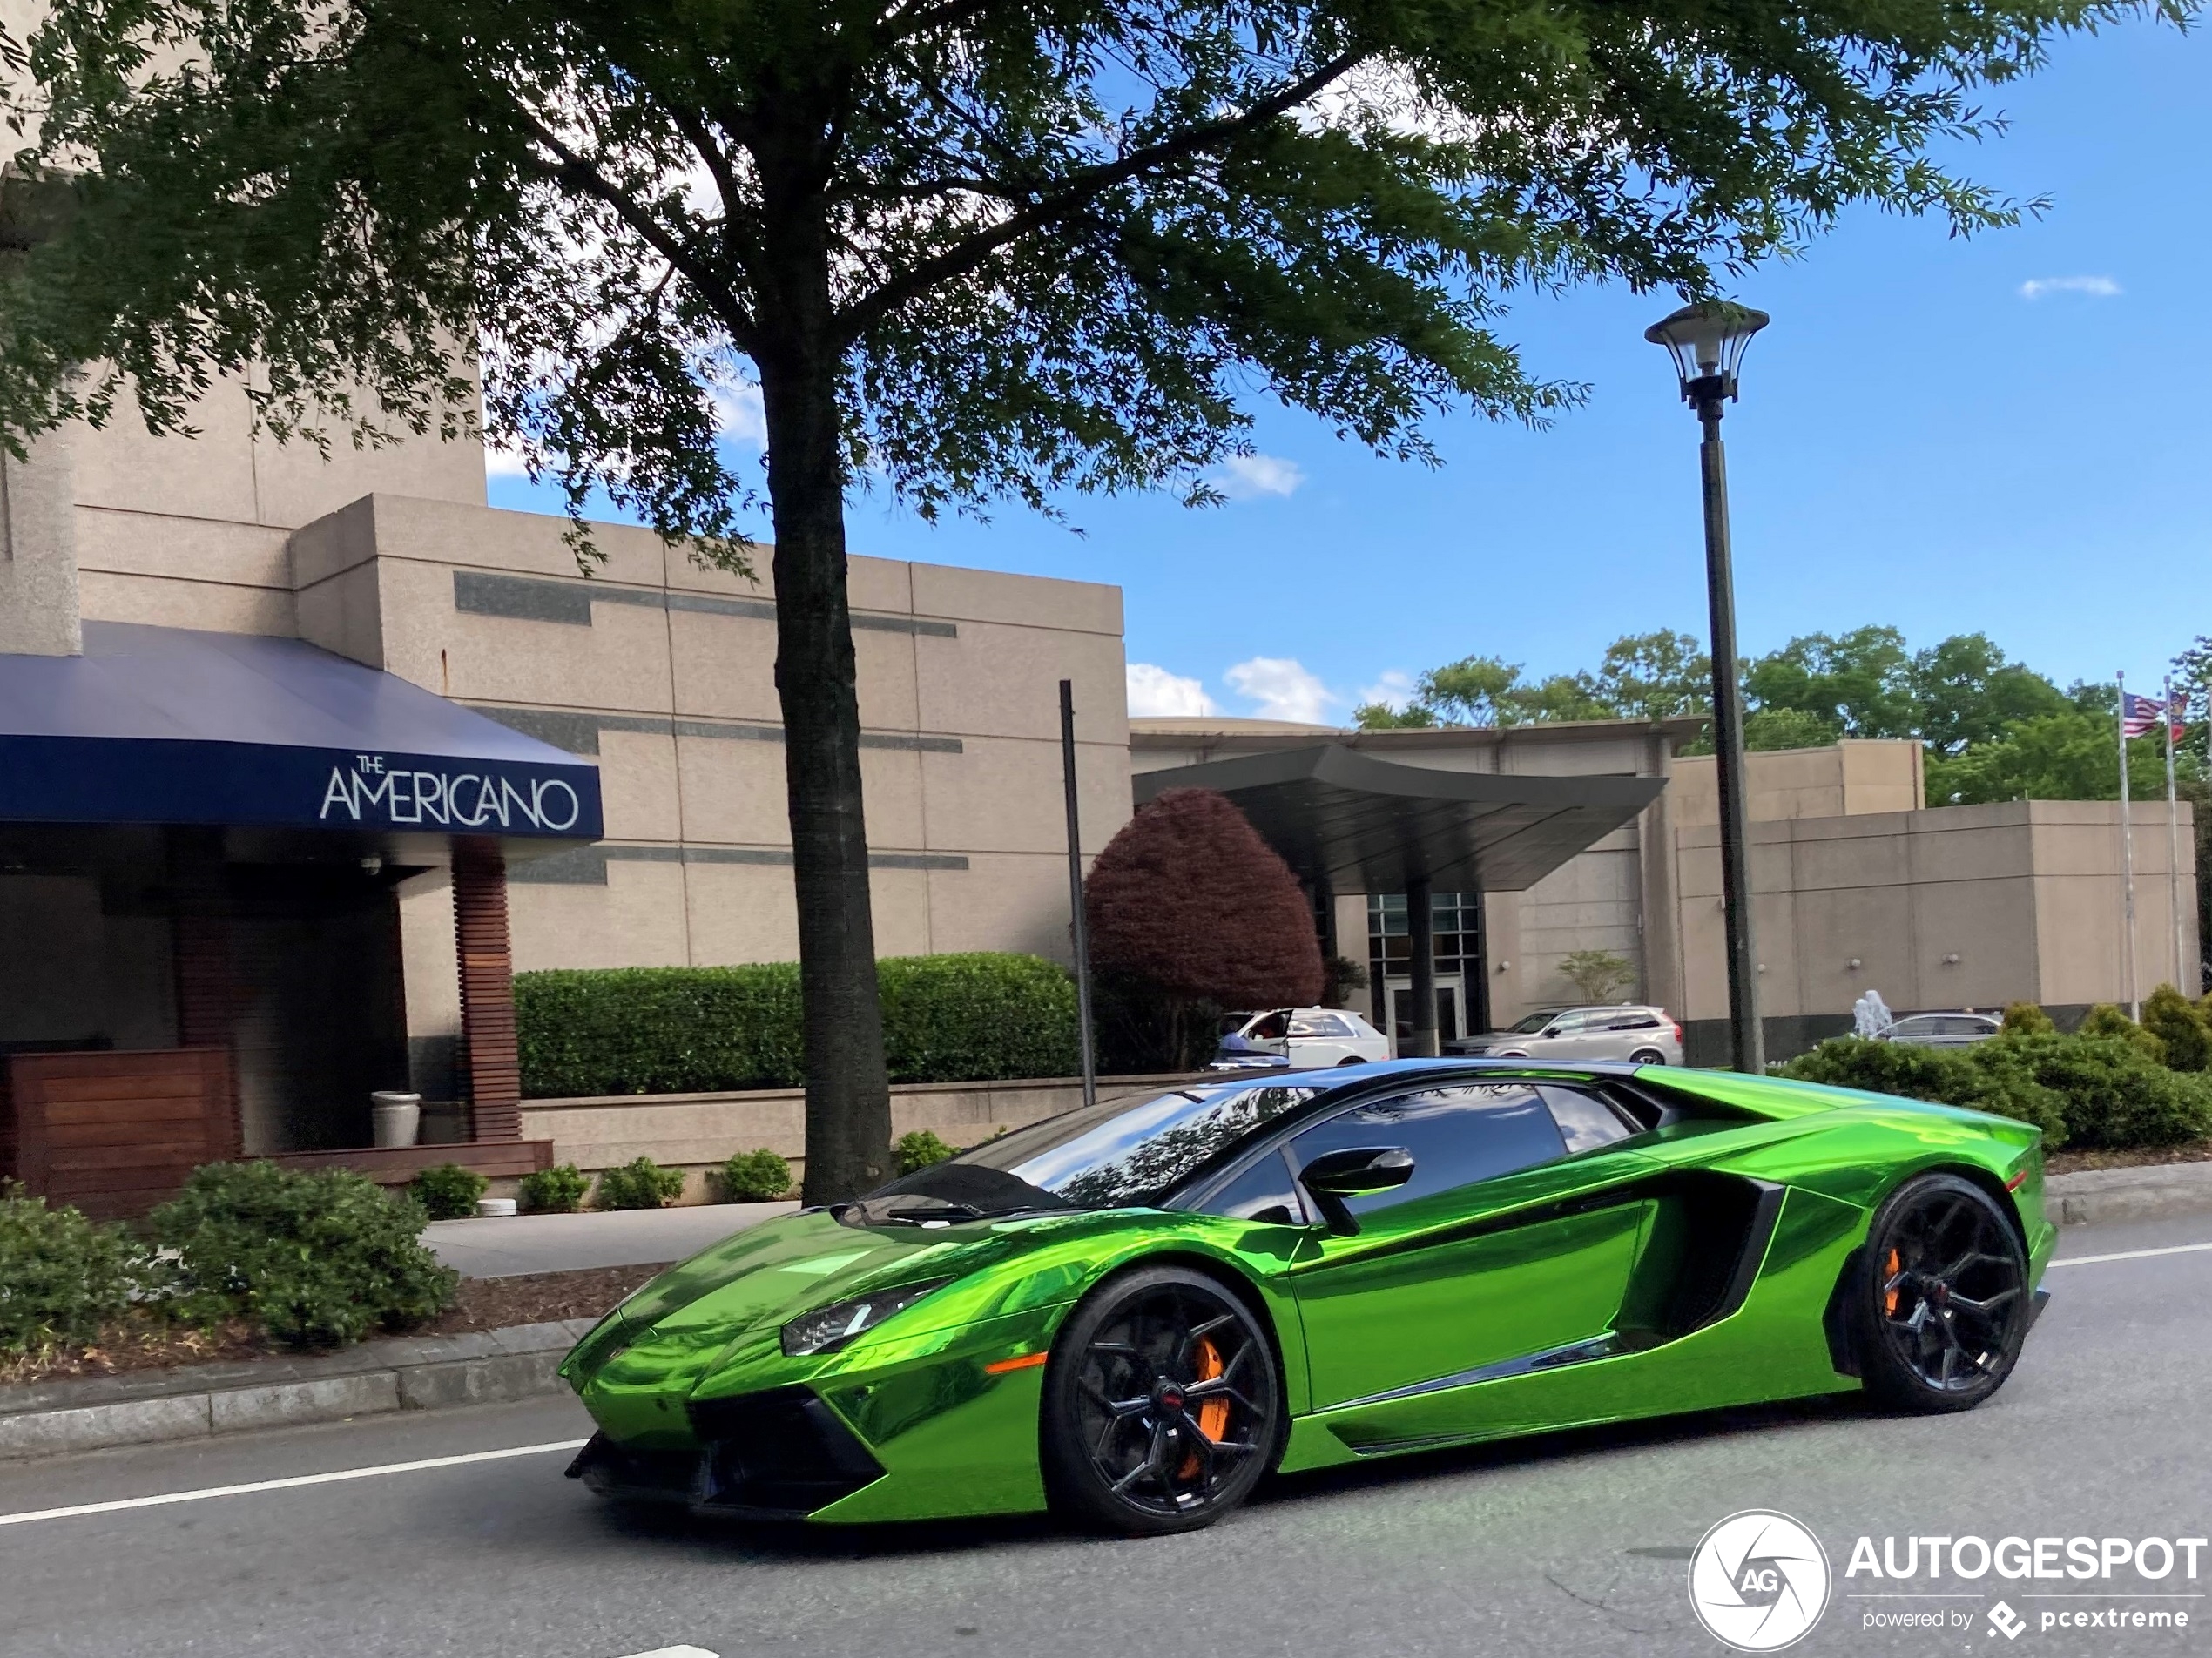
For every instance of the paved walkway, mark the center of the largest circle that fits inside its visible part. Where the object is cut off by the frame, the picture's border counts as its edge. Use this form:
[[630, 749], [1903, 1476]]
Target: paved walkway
[[512, 1244]]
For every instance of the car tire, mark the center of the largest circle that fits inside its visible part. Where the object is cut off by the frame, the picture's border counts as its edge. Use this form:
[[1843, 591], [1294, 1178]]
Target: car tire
[[1941, 1302], [1162, 1404], [1350, 1059], [1647, 1056]]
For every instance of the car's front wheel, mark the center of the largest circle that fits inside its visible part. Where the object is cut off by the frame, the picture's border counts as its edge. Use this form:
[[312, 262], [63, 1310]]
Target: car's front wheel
[[1162, 1404], [1944, 1304]]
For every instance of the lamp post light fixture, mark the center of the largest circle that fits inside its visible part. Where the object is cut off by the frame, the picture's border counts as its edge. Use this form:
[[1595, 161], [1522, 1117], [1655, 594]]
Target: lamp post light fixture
[[1707, 341]]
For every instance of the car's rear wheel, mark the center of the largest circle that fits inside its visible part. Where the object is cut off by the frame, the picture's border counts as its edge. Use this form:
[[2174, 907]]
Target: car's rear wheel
[[1647, 1056], [1943, 1305], [1162, 1404]]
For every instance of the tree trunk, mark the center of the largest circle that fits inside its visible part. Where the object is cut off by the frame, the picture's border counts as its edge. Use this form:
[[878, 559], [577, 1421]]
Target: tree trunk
[[848, 1093]]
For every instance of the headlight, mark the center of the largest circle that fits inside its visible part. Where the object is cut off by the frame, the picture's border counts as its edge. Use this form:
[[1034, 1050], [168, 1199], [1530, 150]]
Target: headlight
[[827, 1329]]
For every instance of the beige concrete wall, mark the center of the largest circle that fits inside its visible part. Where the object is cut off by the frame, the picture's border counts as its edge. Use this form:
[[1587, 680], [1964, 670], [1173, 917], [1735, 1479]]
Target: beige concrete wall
[[193, 532], [1845, 779], [1949, 907]]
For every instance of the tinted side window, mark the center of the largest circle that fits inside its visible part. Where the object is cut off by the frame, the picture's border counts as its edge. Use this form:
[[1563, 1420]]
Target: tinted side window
[[1263, 1192], [1585, 1122], [1456, 1136]]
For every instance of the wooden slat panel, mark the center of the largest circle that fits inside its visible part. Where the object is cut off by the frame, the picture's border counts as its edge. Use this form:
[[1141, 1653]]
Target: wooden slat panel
[[115, 1133], [490, 1056], [397, 1165], [187, 1109]]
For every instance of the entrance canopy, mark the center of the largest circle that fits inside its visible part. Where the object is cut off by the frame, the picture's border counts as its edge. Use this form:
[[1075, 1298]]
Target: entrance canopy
[[1364, 825], [173, 726]]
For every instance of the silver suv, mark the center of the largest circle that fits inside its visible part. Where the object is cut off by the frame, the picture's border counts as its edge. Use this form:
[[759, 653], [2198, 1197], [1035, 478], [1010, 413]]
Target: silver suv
[[1647, 1035]]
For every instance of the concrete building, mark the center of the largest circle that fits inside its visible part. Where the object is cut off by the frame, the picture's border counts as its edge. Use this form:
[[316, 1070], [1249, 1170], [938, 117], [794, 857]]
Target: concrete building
[[300, 759], [1858, 884]]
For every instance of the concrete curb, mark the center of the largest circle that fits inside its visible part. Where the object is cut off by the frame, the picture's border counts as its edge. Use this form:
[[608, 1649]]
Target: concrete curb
[[51, 1419], [2155, 1192]]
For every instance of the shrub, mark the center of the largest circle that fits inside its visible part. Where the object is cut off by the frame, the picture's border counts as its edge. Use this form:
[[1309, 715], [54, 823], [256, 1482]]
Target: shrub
[[755, 1178], [1597, 974], [558, 1190], [2116, 1096], [971, 1018], [2106, 1020], [2179, 1027], [1976, 1078], [920, 1149], [62, 1277], [640, 1183], [312, 1260], [1190, 912], [2026, 1018], [448, 1192]]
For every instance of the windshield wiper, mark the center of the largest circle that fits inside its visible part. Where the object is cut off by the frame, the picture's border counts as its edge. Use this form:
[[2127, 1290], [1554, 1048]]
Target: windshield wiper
[[906, 1209]]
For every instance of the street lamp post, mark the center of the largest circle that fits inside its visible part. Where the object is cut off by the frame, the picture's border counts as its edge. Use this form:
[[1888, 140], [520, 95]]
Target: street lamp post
[[1707, 341]]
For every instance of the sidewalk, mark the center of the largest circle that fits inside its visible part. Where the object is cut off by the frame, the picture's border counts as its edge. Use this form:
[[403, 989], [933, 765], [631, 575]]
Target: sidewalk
[[519, 1243]]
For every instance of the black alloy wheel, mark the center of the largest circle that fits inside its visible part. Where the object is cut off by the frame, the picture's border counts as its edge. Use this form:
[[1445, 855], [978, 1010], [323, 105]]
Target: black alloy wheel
[[1162, 1404], [1945, 1303]]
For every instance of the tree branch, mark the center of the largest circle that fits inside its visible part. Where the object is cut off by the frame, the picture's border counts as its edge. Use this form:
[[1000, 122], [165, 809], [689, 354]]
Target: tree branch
[[1080, 191], [578, 173]]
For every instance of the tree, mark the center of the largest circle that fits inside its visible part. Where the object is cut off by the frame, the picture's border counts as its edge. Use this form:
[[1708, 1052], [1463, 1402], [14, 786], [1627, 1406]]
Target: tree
[[964, 249], [1855, 685], [1597, 974], [1655, 676], [1191, 912], [2053, 757], [1966, 692]]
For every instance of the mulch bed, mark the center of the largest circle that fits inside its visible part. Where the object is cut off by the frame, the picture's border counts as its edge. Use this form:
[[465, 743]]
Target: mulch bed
[[483, 1303], [2073, 1163]]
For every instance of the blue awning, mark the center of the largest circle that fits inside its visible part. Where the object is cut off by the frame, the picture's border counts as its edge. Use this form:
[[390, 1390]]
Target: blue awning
[[168, 725]]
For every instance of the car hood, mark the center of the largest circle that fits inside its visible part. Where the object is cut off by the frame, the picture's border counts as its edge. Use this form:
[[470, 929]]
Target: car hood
[[769, 1274]]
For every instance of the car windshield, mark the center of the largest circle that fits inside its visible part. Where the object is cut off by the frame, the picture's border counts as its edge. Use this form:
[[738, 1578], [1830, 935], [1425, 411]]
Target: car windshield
[[1533, 1023], [1115, 1154]]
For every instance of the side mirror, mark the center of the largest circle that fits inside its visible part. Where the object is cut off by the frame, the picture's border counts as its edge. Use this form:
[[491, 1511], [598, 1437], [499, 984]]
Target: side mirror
[[1335, 1176]]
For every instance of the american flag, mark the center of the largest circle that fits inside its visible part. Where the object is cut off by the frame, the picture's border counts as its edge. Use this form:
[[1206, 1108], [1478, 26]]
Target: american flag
[[2139, 715]]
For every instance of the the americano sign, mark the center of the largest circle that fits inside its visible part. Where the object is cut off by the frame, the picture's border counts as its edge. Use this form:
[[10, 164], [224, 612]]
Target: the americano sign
[[376, 789]]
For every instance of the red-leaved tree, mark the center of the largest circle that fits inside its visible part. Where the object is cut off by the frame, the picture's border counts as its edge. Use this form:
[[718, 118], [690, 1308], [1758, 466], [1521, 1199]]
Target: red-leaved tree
[[1191, 912]]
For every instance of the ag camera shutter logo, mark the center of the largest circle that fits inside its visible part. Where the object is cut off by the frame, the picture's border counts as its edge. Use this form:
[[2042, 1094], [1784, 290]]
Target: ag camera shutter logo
[[1758, 1580]]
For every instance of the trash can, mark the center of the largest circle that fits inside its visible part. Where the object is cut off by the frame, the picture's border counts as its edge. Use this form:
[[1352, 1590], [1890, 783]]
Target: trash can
[[398, 1118]]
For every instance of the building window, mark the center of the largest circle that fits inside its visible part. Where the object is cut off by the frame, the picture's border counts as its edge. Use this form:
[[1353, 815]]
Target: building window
[[1390, 944]]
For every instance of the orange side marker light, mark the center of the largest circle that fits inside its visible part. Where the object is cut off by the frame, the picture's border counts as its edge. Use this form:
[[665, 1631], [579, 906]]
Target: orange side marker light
[[1027, 1361], [2017, 1181]]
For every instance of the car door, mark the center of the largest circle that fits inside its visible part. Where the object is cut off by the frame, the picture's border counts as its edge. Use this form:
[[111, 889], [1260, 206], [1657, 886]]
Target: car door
[[1622, 1032], [1504, 1245], [1320, 1039], [1567, 1037]]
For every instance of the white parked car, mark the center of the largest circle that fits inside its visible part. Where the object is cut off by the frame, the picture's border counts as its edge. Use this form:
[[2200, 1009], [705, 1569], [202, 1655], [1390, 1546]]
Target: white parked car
[[1299, 1039], [1631, 1031]]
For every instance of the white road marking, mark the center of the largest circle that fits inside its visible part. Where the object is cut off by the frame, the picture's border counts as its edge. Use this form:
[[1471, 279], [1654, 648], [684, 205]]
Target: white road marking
[[675, 1652], [291, 1484], [2132, 1255]]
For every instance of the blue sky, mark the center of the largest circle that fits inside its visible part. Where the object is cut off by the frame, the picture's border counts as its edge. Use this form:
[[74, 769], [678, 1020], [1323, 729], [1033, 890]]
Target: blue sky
[[2011, 435]]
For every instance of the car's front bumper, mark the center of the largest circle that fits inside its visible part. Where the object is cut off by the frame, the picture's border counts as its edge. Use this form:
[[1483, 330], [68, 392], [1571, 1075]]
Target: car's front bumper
[[935, 1425]]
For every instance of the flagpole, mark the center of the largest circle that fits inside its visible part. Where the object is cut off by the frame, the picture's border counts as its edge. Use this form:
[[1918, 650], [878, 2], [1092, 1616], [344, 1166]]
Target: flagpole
[[2173, 837], [2128, 855]]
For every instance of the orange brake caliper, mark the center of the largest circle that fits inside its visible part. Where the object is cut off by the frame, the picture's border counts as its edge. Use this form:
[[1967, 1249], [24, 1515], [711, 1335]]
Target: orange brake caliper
[[1889, 1278], [1213, 1414]]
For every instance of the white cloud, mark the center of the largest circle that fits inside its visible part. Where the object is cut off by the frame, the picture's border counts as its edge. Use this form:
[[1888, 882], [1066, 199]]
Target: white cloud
[[1153, 693], [504, 463], [1243, 476], [740, 415], [1282, 688], [2097, 288], [1394, 690]]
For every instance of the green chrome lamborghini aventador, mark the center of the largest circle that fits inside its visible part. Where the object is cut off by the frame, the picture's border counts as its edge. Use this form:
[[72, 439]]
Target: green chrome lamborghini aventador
[[1132, 1312]]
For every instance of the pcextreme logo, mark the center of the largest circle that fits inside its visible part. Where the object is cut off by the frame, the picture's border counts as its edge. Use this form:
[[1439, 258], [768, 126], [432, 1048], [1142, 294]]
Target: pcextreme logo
[[1758, 1580]]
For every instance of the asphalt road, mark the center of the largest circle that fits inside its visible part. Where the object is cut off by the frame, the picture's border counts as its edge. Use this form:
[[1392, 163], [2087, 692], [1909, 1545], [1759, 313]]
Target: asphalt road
[[1571, 1545]]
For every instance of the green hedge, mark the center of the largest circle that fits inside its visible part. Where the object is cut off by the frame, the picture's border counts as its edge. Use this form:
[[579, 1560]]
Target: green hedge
[[688, 1030], [2102, 1091]]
